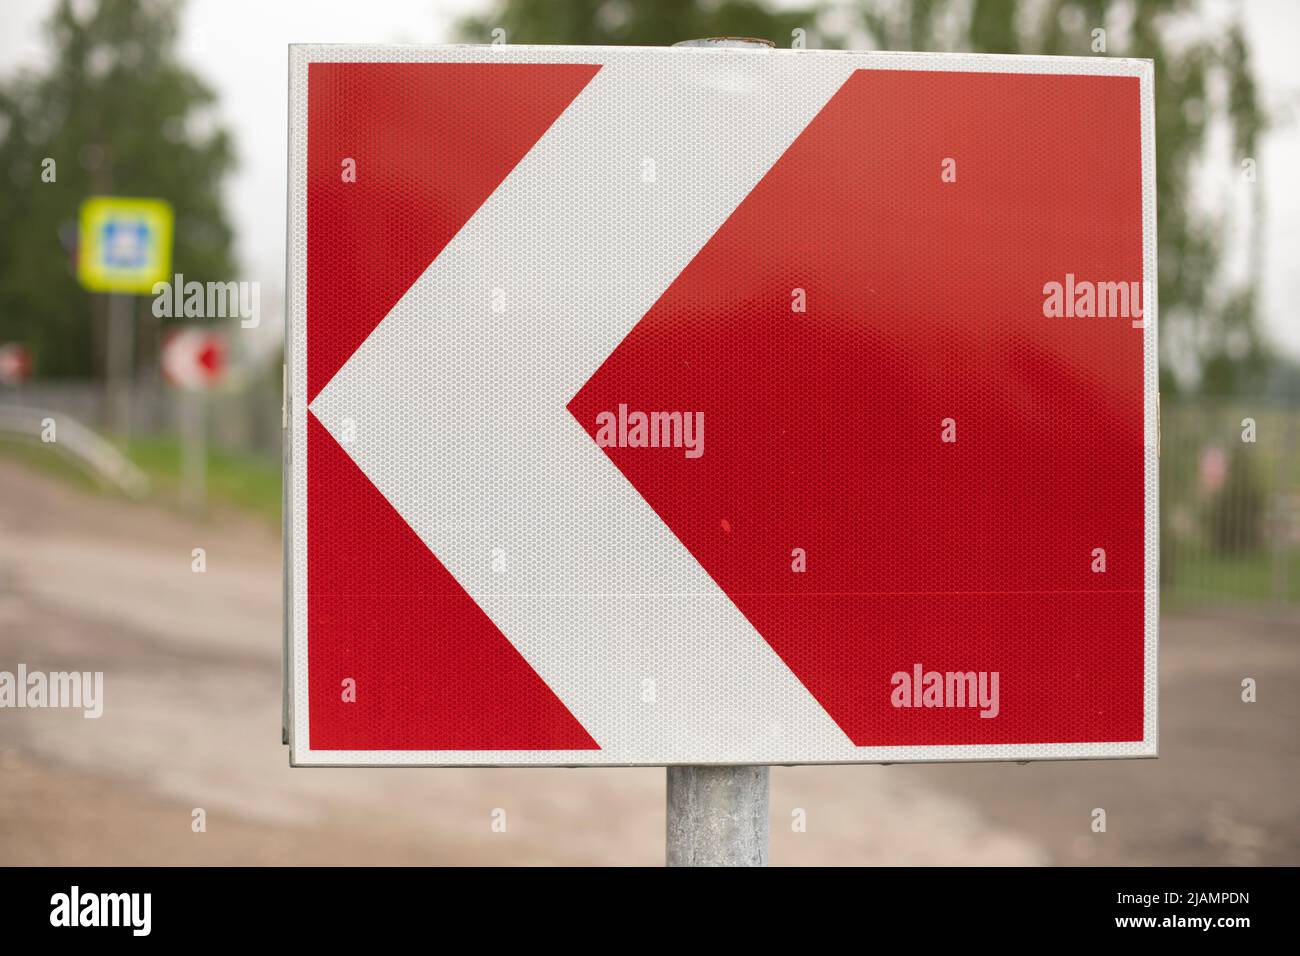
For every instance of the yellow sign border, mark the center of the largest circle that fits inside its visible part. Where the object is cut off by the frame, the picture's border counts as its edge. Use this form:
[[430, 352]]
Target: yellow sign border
[[98, 277]]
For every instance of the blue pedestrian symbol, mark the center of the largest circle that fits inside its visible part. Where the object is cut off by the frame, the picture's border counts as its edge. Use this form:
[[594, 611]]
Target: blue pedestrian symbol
[[125, 243]]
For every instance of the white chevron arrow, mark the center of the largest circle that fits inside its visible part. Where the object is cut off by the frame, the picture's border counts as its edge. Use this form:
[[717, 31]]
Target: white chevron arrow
[[457, 413]]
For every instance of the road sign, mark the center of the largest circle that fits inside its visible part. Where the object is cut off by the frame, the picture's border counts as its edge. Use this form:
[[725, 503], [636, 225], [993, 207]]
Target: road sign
[[690, 406], [124, 245], [15, 363], [194, 357]]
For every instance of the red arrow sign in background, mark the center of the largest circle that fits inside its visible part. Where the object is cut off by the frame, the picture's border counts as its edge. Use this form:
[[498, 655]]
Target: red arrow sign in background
[[194, 357], [15, 363]]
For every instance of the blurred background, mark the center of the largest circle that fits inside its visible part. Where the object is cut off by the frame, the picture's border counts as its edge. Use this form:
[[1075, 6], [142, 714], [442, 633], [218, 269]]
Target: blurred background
[[168, 443]]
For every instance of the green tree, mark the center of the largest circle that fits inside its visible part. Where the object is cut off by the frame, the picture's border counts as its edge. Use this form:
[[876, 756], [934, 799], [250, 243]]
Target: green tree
[[625, 22], [119, 114], [1208, 319]]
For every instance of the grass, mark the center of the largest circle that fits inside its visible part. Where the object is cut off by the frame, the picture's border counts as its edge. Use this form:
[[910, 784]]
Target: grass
[[1194, 579], [47, 459], [252, 484], [246, 482]]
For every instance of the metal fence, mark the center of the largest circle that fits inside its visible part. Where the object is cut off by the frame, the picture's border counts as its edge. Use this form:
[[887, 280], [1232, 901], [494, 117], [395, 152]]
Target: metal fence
[[1229, 473], [244, 421], [1229, 503]]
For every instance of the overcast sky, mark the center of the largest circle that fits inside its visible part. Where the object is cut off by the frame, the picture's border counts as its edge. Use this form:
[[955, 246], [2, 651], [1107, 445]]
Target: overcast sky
[[239, 46]]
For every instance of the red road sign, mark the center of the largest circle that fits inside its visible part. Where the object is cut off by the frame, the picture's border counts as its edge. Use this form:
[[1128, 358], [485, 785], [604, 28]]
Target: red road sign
[[15, 363], [194, 357], [720, 406]]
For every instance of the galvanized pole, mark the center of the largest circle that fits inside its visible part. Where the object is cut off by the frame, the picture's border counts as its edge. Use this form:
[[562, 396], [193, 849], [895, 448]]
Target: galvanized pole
[[194, 449], [120, 361], [718, 816]]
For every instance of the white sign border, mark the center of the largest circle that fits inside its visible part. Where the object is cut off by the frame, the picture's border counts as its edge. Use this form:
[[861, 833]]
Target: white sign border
[[295, 404]]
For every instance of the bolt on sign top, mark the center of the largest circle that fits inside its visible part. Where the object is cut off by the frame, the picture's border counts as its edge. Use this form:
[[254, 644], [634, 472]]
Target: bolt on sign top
[[719, 405]]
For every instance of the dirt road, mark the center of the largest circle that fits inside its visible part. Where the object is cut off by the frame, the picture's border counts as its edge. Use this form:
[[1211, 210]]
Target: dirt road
[[192, 721]]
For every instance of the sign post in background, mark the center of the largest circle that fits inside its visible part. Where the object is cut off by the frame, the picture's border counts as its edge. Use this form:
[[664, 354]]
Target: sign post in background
[[124, 248], [194, 360]]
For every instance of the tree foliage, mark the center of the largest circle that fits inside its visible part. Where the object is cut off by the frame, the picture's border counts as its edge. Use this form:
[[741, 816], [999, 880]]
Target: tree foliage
[[1208, 322], [119, 114], [624, 22]]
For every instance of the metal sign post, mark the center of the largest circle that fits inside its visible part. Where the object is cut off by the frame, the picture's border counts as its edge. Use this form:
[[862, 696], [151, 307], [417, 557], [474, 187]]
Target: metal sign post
[[194, 361], [718, 816], [124, 247], [194, 450], [120, 362]]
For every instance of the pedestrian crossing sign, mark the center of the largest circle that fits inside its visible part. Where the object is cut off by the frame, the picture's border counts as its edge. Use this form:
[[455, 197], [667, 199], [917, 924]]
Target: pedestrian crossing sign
[[125, 244]]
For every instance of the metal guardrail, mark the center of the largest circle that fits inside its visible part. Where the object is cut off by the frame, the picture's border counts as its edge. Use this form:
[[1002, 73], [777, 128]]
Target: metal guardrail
[[243, 421], [77, 443], [1229, 508]]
